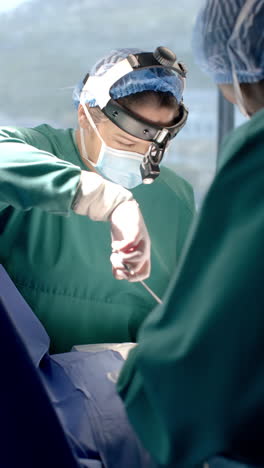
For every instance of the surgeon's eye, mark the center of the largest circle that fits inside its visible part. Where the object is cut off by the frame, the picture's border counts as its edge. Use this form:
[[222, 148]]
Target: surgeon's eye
[[130, 145], [126, 144]]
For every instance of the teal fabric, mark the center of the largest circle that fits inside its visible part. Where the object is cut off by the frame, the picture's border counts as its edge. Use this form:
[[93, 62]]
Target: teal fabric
[[58, 260], [197, 374]]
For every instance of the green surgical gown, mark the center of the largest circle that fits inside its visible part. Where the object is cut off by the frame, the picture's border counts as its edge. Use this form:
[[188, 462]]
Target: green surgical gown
[[59, 260], [194, 385]]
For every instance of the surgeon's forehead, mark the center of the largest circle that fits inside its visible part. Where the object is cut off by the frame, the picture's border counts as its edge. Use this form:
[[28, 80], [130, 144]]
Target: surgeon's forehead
[[122, 135], [163, 117]]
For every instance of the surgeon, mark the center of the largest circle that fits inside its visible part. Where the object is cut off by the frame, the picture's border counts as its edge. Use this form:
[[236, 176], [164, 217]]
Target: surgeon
[[61, 191], [194, 385]]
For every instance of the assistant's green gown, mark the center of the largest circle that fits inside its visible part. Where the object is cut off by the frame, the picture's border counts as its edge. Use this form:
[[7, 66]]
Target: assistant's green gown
[[194, 385], [59, 260]]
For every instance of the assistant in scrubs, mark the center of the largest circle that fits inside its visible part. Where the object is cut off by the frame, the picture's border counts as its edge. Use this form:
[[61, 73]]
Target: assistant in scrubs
[[194, 385]]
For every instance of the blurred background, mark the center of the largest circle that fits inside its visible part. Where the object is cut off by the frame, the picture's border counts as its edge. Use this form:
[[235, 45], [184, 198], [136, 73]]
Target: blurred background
[[46, 47]]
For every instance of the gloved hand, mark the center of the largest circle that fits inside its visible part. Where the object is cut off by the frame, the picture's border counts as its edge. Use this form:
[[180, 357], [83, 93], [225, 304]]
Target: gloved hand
[[130, 243], [102, 200]]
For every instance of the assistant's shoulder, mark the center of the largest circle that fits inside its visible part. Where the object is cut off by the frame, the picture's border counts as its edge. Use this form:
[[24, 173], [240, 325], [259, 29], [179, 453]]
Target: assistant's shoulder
[[49, 134], [56, 141], [177, 186], [37, 136], [15, 133], [248, 138]]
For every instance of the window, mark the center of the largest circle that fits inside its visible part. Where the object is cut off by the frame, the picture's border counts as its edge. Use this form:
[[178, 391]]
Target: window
[[46, 47]]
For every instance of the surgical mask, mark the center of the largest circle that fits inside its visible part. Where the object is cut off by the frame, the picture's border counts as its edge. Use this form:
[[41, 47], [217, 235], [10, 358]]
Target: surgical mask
[[121, 167], [238, 95]]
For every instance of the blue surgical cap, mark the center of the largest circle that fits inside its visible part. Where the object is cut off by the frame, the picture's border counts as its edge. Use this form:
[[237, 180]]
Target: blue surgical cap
[[228, 38], [150, 79]]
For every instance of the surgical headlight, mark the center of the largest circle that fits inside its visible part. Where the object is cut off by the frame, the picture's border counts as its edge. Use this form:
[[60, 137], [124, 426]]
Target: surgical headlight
[[99, 87]]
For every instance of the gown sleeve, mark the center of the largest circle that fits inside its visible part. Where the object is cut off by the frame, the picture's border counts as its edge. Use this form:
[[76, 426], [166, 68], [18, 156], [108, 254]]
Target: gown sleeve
[[31, 177]]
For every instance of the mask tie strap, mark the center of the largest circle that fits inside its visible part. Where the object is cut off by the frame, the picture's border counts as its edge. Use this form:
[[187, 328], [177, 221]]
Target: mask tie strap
[[238, 93], [90, 120]]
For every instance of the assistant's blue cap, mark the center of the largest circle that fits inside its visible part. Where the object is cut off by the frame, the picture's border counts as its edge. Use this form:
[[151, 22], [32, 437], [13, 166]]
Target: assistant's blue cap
[[228, 37], [149, 79]]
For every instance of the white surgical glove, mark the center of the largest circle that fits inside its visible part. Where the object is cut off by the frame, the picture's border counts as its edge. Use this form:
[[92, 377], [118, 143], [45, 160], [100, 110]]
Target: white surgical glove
[[102, 200], [97, 197], [130, 243]]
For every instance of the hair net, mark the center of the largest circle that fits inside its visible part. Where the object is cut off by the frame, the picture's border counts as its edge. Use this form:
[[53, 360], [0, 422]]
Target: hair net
[[228, 40], [150, 79]]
